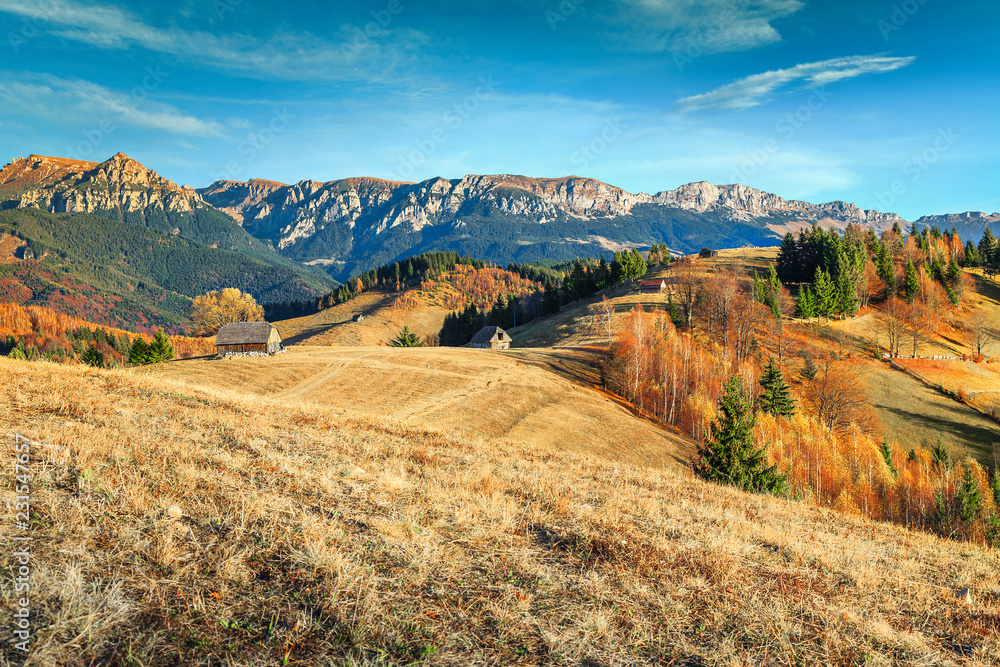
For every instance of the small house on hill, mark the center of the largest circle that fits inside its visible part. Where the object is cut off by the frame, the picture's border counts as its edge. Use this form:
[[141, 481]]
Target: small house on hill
[[248, 339], [492, 338], [359, 317], [652, 286]]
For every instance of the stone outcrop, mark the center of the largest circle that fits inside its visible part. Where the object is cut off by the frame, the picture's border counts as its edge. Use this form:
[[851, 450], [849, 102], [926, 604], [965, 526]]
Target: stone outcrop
[[60, 185]]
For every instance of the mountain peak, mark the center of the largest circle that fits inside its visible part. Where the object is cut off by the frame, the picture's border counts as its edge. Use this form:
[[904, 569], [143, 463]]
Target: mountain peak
[[70, 185]]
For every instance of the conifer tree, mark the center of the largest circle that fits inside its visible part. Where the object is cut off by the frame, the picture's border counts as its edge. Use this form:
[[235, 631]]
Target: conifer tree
[[824, 293], [911, 286], [550, 299], [809, 370], [406, 338], [160, 349], [805, 304], [776, 399], [847, 295], [939, 455], [139, 354], [887, 456], [93, 357], [968, 497], [729, 455], [886, 268]]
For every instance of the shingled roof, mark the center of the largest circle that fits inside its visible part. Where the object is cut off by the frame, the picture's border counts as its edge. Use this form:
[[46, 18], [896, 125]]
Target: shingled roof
[[244, 333], [485, 335]]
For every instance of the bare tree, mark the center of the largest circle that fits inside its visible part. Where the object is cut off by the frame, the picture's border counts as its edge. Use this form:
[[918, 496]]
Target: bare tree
[[779, 337], [689, 285], [837, 397], [866, 282], [604, 317], [747, 317], [892, 322], [721, 290], [983, 330], [917, 324]]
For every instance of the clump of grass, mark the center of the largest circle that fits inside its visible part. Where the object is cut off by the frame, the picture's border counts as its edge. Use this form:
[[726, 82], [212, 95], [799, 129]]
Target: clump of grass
[[450, 551]]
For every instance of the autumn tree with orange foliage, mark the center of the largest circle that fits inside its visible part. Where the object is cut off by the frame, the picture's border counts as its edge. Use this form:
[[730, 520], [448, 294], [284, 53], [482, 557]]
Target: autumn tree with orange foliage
[[212, 311], [831, 450]]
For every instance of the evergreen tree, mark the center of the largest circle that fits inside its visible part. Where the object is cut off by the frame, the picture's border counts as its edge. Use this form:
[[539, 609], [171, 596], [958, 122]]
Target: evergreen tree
[[809, 370], [939, 455], [139, 354], [805, 304], [772, 277], [825, 294], [160, 349], [971, 255], [406, 338], [550, 299], [968, 497], [911, 285], [93, 357], [886, 268], [676, 316], [847, 295], [789, 261], [887, 456], [776, 399], [602, 277], [729, 455]]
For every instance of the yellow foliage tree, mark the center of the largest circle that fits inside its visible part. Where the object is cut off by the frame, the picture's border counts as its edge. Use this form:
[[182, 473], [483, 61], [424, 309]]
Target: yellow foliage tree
[[211, 311]]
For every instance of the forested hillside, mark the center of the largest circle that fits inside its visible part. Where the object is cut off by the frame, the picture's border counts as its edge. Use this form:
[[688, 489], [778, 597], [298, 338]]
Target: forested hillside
[[150, 277]]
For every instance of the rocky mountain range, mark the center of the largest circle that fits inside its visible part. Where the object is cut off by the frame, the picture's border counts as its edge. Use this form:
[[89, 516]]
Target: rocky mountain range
[[343, 224], [349, 225]]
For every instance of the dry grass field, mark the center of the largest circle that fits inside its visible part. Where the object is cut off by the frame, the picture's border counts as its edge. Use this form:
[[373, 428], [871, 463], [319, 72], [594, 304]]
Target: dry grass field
[[915, 414], [381, 323], [545, 398], [184, 525]]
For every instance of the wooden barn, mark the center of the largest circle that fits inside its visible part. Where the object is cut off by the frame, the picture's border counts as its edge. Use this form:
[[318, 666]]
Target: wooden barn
[[249, 339], [652, 286], [492, 338]]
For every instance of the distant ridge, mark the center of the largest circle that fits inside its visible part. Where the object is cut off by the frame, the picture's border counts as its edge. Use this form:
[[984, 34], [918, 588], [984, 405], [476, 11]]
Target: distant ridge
[[354, 224]]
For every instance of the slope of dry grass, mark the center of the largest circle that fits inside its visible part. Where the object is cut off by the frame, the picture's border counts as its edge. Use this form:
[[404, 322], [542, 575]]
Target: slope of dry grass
[[183, 526], [381, 323], [544, 398]]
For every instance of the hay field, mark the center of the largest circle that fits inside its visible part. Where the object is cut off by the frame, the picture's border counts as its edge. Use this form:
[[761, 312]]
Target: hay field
[[914, 414], [544, 398], [381, 323], [177, 525]]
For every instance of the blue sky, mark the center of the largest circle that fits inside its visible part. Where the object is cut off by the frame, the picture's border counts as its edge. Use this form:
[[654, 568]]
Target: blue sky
[[889, 105]]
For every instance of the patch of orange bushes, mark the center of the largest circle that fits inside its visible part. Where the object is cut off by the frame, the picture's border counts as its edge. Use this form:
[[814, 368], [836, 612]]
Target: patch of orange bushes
[[49, 331], [675, 379]]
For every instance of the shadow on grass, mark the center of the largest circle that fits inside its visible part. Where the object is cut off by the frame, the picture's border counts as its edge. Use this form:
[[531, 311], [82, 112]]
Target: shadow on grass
[[314, 330], [977, 438]]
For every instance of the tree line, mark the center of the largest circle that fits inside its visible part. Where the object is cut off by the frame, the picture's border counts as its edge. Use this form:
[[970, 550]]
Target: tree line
[[580, 279]]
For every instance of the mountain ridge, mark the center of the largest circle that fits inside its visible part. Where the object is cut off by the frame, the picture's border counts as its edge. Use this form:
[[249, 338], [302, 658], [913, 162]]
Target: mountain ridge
[[349, 225]]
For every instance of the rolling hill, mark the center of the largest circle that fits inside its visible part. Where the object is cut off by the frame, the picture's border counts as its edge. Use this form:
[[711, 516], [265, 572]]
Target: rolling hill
[[174, 521]]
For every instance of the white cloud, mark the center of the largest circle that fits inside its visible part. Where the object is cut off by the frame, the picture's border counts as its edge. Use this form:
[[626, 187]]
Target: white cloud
[[78, 101], [752, 90], [692, 27], [371, 55]]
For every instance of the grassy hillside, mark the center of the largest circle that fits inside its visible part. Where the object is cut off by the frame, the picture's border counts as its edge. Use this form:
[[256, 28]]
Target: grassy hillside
[[176, 525], [542, 398], [136, 266], [911, 412]]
